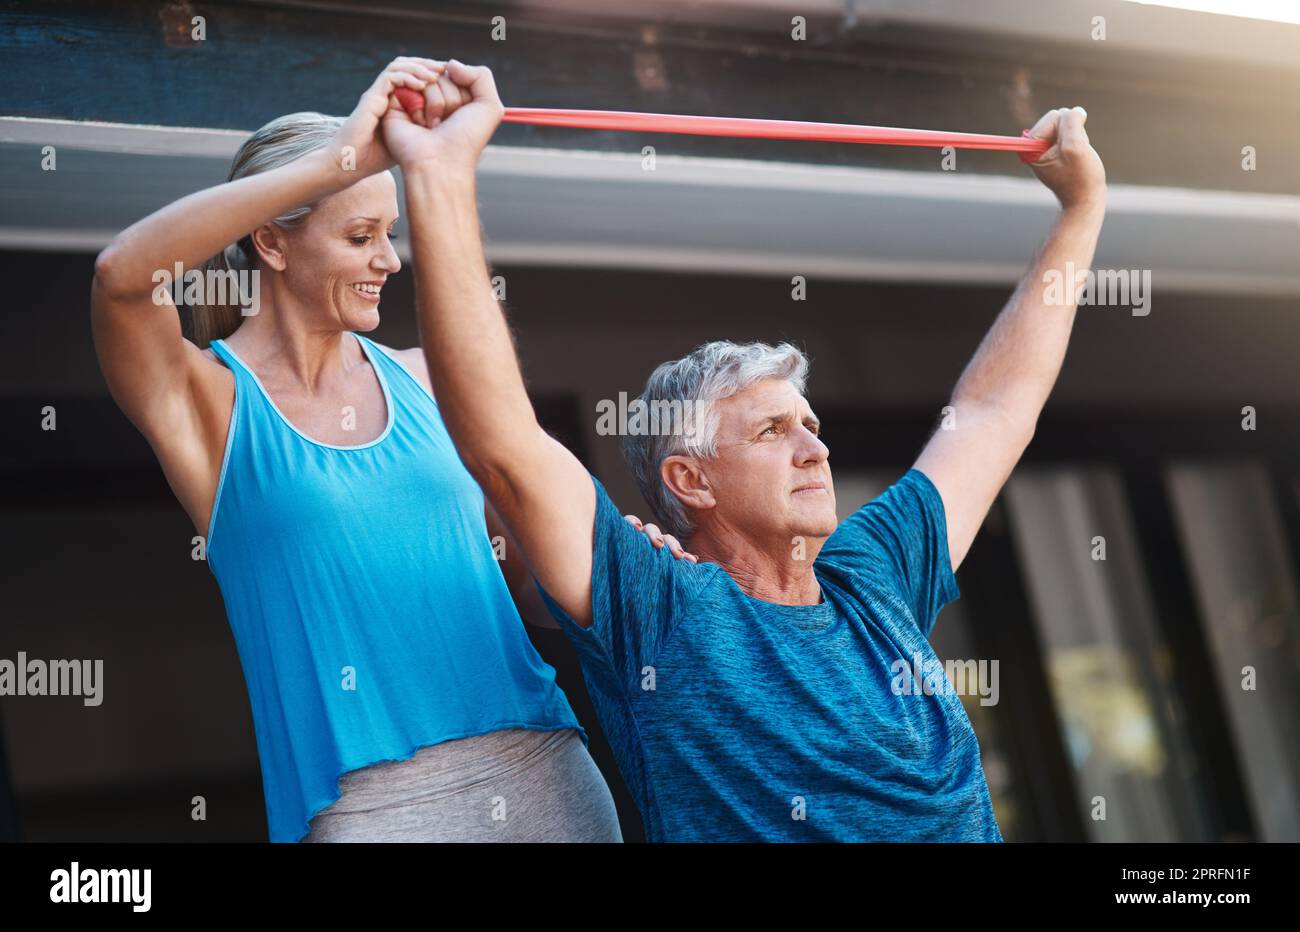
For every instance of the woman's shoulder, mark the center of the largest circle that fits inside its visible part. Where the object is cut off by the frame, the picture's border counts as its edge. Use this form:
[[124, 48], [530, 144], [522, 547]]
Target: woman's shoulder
[[413, 361]]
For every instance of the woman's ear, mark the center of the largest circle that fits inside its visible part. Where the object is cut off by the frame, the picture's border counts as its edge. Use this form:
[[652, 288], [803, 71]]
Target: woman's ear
[[685, 479], [268, 242]]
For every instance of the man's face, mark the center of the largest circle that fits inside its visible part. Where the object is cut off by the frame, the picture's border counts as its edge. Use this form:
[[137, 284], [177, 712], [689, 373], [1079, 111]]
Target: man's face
[[771, 478]]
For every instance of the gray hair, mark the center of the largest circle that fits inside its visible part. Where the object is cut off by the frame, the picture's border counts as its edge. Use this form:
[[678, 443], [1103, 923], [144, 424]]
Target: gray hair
[[711, 372], [283, 140]]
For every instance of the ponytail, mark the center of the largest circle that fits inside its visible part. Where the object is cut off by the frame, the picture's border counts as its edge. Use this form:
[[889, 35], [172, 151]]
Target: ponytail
[[218, 321]]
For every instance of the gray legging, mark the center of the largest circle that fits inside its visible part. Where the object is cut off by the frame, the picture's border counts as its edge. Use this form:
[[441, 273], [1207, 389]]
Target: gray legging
[[508, 785]]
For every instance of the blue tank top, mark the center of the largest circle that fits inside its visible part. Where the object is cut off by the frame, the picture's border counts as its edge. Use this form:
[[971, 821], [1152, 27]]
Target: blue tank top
[[366, 603]]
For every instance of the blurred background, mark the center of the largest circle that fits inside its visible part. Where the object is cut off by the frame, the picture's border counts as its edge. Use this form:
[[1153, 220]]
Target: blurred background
[[1162, 679]]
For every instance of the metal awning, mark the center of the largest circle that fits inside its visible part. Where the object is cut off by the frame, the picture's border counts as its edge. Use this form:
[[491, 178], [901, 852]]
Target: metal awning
[[582, 209]]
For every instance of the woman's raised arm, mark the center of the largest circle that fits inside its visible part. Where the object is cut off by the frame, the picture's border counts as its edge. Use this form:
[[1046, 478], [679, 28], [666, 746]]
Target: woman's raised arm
[[149, 366]]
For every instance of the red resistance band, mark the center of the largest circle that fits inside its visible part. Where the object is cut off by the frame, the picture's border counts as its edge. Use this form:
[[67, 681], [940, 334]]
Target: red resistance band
[[1030, 149]]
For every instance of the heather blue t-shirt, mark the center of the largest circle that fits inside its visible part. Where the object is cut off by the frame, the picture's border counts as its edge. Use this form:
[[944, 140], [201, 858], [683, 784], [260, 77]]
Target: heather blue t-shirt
[[735, 719]]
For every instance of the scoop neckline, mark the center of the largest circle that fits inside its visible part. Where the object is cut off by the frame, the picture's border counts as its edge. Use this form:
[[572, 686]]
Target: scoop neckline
[[379, 374]]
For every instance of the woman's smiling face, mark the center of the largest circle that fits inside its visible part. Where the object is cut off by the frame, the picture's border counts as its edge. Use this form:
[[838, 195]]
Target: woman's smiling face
[[338, 260]]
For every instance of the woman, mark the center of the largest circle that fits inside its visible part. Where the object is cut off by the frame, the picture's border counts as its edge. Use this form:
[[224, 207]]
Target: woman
[[395, 694]]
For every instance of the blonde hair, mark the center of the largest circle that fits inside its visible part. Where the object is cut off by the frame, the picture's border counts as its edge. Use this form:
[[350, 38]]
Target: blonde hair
[[278, 143]]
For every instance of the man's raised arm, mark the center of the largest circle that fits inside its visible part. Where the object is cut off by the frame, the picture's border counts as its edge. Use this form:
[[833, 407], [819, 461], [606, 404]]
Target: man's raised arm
[[1000, 394], [542, 492]]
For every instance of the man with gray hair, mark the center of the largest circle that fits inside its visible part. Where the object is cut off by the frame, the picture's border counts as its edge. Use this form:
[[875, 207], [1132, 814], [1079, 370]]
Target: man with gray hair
[[748, 696]]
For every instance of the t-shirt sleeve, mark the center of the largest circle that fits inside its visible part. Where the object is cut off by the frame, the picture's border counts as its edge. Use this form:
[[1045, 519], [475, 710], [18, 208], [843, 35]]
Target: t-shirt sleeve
[[638, 594], [902, 535]]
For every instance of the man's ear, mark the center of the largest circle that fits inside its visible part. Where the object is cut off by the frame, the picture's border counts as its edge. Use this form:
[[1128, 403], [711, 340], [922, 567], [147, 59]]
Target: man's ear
[[269, 244], [688, 481]]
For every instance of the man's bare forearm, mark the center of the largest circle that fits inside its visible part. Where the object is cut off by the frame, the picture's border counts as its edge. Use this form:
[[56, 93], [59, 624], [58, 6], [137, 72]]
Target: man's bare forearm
[[1020, 357], [471, 356], [540, 490]]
